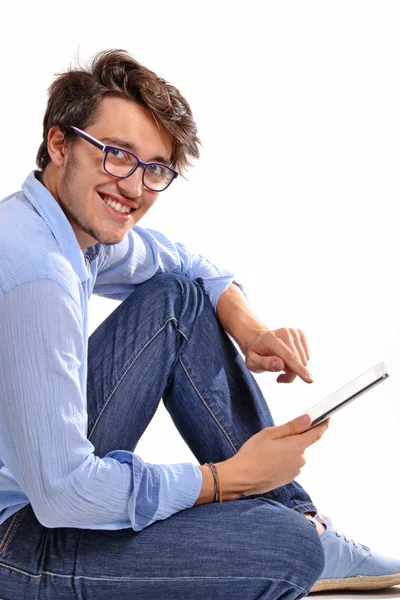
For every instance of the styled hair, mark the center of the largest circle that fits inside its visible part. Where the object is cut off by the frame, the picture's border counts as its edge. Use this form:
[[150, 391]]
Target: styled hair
[[75, 95]]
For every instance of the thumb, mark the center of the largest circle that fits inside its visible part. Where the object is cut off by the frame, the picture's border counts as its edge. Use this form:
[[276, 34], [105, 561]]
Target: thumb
[[294, 427], [272, 363]]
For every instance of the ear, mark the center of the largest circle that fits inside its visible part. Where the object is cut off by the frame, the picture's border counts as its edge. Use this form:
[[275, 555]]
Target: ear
[[56, 146]]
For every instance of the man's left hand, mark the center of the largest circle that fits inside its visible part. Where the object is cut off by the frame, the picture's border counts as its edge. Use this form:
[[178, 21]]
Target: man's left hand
[[280, 350]]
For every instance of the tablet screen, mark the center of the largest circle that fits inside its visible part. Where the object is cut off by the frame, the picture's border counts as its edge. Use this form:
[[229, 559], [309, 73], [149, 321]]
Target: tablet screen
[[346, 394]]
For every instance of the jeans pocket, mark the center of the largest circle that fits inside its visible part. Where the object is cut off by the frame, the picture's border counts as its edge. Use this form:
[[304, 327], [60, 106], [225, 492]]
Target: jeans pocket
[[10, 528]]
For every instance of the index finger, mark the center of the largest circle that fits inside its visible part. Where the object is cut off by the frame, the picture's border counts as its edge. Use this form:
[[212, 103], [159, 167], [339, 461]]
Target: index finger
[[290, 359]]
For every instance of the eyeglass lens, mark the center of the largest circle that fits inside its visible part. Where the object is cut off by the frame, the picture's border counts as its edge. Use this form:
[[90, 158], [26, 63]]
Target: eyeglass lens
[[120, 163]]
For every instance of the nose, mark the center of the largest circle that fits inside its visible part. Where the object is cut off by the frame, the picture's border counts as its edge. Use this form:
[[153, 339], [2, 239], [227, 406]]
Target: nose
[[132, 186]]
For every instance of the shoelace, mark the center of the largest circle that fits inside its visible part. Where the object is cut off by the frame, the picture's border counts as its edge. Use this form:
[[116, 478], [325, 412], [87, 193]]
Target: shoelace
[[324, 518], [347, 540]]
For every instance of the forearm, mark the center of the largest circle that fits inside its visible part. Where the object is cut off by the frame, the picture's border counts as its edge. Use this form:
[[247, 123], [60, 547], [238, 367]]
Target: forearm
[[237, 318]]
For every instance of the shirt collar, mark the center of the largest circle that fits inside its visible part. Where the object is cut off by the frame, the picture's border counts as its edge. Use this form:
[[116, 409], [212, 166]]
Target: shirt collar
[[53, 215]]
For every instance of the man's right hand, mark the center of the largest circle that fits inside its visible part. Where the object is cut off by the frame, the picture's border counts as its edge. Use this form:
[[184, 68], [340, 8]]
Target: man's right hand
[[271, 458]]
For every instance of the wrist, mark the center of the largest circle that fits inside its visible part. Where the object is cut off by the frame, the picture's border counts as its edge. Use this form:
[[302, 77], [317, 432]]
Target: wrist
[[207, 487], [237, 318], [232, 485]]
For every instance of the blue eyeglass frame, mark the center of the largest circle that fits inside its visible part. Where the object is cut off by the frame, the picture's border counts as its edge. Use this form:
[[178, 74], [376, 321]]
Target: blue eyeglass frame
[[106, 149]]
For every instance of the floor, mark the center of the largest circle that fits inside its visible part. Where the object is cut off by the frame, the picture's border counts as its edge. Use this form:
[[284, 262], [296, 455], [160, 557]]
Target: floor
[[393, 592]]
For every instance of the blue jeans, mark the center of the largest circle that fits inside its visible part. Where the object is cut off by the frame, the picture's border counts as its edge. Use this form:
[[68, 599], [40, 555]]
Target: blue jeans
[[165, 341]]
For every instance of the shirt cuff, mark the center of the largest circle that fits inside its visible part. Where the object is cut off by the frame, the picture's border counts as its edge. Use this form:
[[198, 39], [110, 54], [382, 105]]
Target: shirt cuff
[[158, 491], [180, 486], [216, 286]]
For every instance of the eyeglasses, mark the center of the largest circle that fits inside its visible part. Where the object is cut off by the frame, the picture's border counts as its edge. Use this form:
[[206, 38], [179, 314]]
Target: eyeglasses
[[121, 163]]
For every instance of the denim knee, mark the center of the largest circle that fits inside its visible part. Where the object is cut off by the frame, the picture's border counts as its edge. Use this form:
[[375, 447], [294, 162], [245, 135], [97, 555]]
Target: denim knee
[[307, 559], [293, 551], [168, 296], [172, 284]]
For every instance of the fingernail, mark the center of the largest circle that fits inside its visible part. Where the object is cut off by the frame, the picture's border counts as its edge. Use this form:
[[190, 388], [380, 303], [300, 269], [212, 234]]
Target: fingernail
[[304, 419], [276, 365], [309, 377]]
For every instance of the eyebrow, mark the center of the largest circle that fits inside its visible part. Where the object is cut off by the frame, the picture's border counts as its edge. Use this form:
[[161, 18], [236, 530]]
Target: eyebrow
[[124, 144]]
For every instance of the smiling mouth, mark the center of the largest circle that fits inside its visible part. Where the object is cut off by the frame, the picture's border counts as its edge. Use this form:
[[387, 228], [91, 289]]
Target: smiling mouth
[[117, 206]]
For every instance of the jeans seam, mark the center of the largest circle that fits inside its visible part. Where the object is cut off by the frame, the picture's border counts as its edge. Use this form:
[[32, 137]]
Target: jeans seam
[[132, 362], [200, 578], [205, 404], [183, 334], [12, 528], [30, 575], [133, 579], [309, 505]]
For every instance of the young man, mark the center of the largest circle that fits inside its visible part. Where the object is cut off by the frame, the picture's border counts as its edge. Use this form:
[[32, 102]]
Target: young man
[[82, 516]]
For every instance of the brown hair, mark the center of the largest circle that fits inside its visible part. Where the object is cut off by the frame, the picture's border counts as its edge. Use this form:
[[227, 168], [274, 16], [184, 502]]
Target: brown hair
[[75, 95]]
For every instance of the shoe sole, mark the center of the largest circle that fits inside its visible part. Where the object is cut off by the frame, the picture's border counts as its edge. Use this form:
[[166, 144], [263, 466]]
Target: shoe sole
[[360, 582]]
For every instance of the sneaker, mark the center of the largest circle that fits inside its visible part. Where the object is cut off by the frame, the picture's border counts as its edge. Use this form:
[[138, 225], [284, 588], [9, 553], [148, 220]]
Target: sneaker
[[352, 566]]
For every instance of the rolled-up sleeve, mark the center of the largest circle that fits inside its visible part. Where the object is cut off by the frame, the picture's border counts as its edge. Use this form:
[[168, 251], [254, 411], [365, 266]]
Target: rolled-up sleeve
[[146, 252], [43, 425]]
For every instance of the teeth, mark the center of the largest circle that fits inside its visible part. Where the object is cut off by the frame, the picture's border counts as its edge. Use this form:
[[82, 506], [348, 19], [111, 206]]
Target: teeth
[[116, 205]]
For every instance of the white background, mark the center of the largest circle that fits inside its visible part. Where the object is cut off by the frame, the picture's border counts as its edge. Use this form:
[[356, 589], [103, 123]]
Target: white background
[[297, 190]]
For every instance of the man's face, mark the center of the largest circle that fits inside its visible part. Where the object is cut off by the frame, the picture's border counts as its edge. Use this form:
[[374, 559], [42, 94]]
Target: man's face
[[82, 185]]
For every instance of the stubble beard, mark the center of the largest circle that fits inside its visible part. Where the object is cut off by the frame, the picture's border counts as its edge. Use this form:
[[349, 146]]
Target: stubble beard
[[74, 220]]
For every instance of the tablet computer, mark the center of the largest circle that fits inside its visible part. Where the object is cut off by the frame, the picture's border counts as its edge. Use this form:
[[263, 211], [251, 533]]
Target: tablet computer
[[346, 394]]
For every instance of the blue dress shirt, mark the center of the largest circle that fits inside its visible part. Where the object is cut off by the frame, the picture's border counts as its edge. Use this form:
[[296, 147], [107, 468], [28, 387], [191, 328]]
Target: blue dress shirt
[[45, 284]]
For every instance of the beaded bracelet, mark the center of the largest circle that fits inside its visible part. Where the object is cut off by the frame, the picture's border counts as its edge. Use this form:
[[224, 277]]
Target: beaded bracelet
[[217, 486]]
